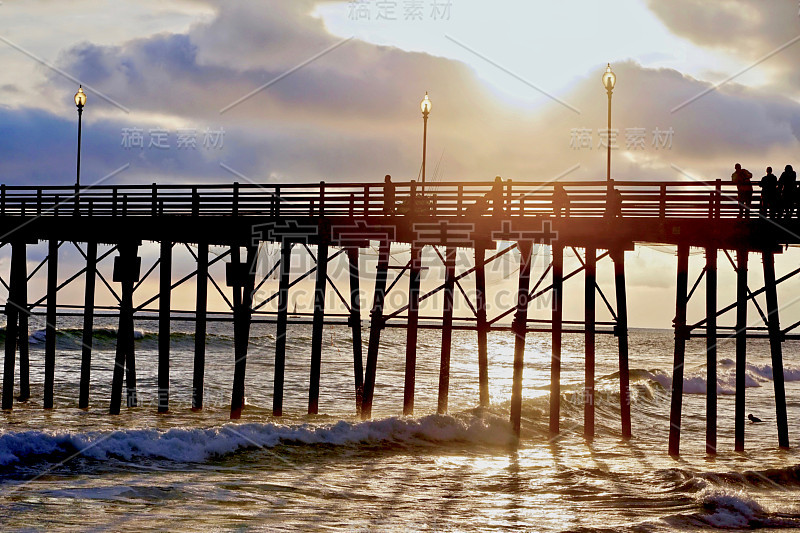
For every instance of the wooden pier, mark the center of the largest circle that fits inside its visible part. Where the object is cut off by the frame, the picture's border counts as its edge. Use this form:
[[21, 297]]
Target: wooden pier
[[604, 219]]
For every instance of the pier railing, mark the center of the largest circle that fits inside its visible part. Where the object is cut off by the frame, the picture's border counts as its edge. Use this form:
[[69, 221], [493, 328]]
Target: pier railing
[[674, 199]]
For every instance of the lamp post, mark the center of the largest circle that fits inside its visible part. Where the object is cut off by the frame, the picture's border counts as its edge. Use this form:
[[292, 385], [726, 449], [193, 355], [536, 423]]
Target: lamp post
[[609, 79], [425, 105], [80, 101]]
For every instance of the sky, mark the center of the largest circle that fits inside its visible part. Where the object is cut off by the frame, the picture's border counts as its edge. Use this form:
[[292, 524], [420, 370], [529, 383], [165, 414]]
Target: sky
[[303, 90]]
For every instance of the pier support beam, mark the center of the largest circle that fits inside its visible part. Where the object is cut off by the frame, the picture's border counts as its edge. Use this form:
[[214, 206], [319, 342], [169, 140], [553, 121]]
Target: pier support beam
[[621, 331], [482, 325], [164, 299], [376, 325], [711, 351], [741, 348], [355, 326], [12, 309], [88, 324], [24, 344], [280, 332], [590, 285], [411, 334], [242, 278], [316, 332], [447, 329], [126, 271], [520, 326], [200, 326], [557, 314], [50, 325], [775, 339], [680, 350]]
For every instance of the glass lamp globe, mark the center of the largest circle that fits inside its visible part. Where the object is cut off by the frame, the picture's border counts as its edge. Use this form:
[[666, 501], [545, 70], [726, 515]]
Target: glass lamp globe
[[80, 97], [425, 105], [609, 78]]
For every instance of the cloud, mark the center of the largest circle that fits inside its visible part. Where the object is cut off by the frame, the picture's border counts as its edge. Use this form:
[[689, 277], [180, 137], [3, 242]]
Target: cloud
[[353, 114], [40, 148], [749, 29]]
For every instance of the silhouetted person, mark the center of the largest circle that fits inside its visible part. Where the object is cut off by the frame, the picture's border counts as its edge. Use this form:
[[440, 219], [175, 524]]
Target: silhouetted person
[[787, 187], [613, 203], [769, 195], [753, 419], [496, 196], [560, 200], [744, 188], [388, 196], [480, 206]]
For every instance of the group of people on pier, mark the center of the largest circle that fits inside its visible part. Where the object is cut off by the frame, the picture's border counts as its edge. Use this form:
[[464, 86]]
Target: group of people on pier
[[494, 201], [779, 195], [780, 198]]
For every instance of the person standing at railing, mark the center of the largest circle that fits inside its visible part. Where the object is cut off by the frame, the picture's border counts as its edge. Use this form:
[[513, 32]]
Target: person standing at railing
[[389, 198], [769, 195], [496, 196], [613, 202], [787, 187], [744, 188], [560, 201]]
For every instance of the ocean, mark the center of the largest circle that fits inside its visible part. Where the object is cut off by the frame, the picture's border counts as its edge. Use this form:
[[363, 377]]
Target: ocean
[[68, 469]]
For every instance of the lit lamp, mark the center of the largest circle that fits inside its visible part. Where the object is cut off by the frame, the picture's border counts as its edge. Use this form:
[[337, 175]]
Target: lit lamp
[[609, 79], [80, 101], [425, 106]]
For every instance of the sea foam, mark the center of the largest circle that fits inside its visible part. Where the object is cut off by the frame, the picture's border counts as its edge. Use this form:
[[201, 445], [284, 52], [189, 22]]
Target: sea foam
[[202, 444], [755, 375]]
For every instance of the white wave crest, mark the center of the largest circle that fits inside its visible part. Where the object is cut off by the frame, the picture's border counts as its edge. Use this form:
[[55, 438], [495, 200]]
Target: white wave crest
[[730, 508], [726, 378], [198, 445]]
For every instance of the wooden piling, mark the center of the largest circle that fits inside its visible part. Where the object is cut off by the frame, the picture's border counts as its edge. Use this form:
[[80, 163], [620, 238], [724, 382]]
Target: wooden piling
[[243, 287], [411, 333], [376, 325], [557, 313], [126, 272], [280, 331], [741, 348], [676, 400], [481, 324], [775, 340], [165, 293], [447, 329], [317, 327], [590, 285], [50, 323], [355, 325], [88, 324], [711, 351], [23, 333], [520, 327], [130, 357], [233, 275], [621, 331], [200, 327], [12, 309]]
